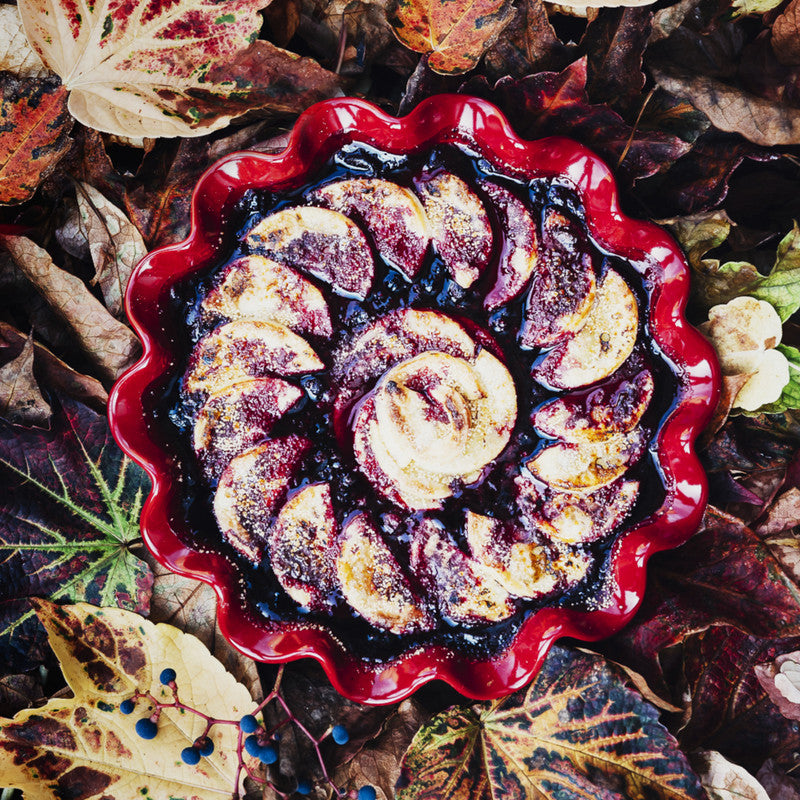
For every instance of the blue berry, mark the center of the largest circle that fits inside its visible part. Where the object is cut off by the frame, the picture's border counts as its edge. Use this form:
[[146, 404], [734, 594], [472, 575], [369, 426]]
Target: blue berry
[[167, 675], [267, 754], [190, 756], [367, 793], [252, 746], [340, 734], [303, 787], [146, 728], [127, 706], [248, 723], [205, 746]]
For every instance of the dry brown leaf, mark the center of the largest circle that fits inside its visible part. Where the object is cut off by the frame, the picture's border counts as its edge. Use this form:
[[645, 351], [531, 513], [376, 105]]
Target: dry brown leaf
[[192, 606], [786, 34], [54, 373], [723, 780], [115, 244], [601, 3], [21, 400], [730, 109], [110, 344], [16, 55]]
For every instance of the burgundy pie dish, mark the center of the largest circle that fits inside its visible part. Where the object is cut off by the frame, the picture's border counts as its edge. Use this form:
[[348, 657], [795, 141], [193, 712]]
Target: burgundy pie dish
[[416, 398]]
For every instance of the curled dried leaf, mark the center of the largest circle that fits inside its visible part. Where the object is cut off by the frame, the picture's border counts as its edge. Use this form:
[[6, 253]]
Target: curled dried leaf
[[21, 400]]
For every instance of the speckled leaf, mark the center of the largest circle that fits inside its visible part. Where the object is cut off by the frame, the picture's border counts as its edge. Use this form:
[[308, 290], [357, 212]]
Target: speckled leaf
[[131, 67], [68, 515], [575, 733], [455, 33], [85, 748], [34, 133]]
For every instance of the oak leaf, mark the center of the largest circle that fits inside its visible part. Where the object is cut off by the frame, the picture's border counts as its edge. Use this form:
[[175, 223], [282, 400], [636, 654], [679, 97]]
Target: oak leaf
[[21, 399], [16, 55], [84, 747], [109, 343], [455, 34], [576, 731], [34, 133], [70, 516]]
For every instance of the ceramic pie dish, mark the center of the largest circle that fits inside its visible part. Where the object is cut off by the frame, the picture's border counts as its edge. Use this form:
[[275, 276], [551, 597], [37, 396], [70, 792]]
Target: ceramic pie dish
[[416, 398]]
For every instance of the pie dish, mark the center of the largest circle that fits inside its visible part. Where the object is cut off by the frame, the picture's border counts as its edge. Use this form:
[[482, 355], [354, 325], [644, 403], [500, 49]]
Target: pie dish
[[416, 398]]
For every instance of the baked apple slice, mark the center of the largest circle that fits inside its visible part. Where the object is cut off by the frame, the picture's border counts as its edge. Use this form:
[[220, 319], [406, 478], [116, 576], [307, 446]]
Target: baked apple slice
[[373, 583], [392, 214], [250, 489], [247, 349], [583, 466], [615, 408], [603, 343], [526, 569], [464, 590], [520, 252], [302, 546], [321, 242], [255, 287], [563, 287], [459, 225], [237, 417], [571, 517]]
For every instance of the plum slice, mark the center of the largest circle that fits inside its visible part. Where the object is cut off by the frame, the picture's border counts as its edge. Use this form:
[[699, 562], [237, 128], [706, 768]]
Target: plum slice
[[459, 225], [250, 489], [392, 214], [615, 408], [373, 582], [572, 517], [527, 569], [237, 417], [302, 546], [600, 347], [247, 349], [520, 253], [465, 591], [255, 287], [321, 242], [563, 287]]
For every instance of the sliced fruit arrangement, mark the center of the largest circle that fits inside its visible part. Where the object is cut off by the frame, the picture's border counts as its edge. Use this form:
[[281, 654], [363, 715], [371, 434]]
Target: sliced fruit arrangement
[[321, 242], [255, 287], [391, 214]]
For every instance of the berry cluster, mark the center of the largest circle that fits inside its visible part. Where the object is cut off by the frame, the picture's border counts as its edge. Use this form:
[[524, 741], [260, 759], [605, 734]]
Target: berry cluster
[[254, 738]]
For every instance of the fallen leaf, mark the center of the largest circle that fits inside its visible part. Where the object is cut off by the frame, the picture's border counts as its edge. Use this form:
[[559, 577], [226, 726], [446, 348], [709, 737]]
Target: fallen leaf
[[377, 763], [576, 731], [786, 34], [34, 133], [783, 514], [761, 121], [116, 246], [191, 606], [282, 17], [21, 400], [602, 3], [723, 780], [740, 8], [109, 343], [132, 69], [781, 287], [70, 517], [454, 34], [731, 384], [780, 679], [54, 373], [85, 747], [18, 692], [16, 55], [667, 20], [778, 784]]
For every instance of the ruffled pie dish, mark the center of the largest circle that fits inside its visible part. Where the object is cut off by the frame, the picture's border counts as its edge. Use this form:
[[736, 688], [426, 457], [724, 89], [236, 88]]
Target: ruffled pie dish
[[416, 398]]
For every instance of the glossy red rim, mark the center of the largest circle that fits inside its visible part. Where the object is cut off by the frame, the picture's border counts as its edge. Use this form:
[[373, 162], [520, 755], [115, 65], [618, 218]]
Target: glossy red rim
[[480, 126]]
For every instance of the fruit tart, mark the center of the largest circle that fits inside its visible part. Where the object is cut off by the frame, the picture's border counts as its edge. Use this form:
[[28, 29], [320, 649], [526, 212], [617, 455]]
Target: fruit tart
[[416, 397]]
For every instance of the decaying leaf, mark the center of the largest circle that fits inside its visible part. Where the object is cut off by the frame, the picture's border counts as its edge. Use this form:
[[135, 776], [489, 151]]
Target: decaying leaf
[[21, 399], [723, 780], [575, 731], [108, 342], [780, 679], [70, 516], [18, 692], [84, 747], [761, 121], [783, 513], [16, 55], [740, 8], [116, 246], [778, 784], [454, 34], [34, 133], [785, 34], [731, 385], [601, 3]]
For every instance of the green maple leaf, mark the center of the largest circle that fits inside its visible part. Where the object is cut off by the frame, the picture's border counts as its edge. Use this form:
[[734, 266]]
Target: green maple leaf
[[68, 519]]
